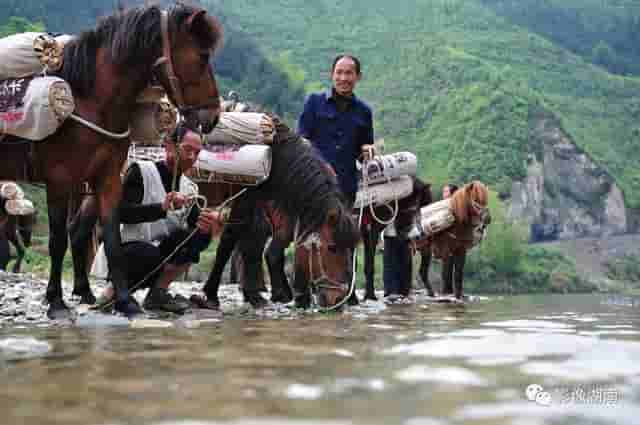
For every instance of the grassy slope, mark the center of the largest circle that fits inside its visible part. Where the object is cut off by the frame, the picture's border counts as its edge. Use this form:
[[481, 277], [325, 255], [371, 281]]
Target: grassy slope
[[453, 81]]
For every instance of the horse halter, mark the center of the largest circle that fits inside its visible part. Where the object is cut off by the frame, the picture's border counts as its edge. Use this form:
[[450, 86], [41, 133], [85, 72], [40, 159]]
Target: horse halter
[[175, 87], [312, 243]]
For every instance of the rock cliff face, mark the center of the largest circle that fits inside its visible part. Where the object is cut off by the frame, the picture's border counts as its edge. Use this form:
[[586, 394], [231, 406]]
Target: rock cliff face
[[565, 194]]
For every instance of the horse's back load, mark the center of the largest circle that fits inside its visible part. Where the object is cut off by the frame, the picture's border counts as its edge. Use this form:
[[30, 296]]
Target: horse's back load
[[30, 53], [15, 204], [384, 193], [433, 218], [384, 168], [34, 108], [243, 128], [153, 118], [242, 164]]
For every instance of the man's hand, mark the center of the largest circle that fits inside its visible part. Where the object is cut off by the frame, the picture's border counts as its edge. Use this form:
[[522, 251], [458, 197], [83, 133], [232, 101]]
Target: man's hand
[[210, 222], [174, 200], [368, 152], [331, 170]]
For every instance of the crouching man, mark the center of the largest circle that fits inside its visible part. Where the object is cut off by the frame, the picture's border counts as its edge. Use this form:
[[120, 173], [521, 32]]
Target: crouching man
[[158, 221]]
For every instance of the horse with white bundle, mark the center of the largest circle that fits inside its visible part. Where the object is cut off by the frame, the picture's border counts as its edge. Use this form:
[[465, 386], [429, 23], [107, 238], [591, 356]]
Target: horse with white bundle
[[76, 129], [451, 227]]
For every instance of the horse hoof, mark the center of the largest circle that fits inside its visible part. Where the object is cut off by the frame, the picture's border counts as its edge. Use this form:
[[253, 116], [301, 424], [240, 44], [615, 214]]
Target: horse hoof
[[129, 308], [256, 300], [371, 297], [205, 302], [281, 298], [58, 310], [353, 300], [303, 302], [86, 297]]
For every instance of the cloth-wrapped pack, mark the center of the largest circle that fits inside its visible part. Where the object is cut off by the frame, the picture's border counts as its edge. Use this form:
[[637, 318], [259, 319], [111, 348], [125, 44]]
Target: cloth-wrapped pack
[[384, 193], [433, 218], [19, 207], [34, 108], [242, 164], [139, 152], [383, 168], [10, 190], [243, 128], [153, 118], [29, 53]]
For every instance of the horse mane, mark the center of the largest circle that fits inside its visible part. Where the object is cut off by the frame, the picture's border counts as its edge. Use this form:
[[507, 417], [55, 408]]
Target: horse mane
[[304, 189], [461, 199], [133, 38]]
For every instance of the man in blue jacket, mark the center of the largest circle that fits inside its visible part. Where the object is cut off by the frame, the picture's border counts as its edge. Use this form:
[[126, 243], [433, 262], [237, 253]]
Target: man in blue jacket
[[339, 124]]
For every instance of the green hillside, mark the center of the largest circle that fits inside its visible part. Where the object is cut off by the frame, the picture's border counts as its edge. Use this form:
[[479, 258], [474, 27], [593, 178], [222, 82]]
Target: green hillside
[[456, 80]]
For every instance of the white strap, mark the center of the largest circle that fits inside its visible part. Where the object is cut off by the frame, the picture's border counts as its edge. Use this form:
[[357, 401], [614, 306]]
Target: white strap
[[100, 130]]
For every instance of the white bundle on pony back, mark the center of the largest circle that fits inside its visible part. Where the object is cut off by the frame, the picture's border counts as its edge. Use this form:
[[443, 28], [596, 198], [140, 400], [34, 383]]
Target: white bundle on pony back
[[138, 152], [242, 164], [383, 168], [434, 218], [384, 193], [243, 128], [151, 120], [29, 53], [34, 108], [10, 190], [19, 207]]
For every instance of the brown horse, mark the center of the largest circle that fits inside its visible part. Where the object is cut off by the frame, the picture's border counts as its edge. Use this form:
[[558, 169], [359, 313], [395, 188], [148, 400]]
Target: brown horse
[[470, 208], [107, 69]]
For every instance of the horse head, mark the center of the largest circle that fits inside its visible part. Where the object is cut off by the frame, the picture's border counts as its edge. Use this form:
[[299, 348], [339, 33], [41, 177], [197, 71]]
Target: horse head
[[189, 39], [325, 256], [470, 202]]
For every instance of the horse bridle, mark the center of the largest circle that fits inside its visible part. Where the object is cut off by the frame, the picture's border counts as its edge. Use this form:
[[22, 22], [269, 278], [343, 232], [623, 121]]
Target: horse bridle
[[312, 244], [175, 87]]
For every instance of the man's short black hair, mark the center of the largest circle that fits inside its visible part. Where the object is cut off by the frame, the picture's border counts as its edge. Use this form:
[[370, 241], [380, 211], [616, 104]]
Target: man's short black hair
[[353, 58]]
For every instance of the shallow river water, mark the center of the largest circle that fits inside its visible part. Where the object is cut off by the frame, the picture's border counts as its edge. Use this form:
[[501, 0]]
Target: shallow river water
[[522, 360]]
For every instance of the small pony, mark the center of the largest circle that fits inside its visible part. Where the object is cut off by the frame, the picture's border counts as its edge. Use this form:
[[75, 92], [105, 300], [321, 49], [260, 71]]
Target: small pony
[[469, 205]]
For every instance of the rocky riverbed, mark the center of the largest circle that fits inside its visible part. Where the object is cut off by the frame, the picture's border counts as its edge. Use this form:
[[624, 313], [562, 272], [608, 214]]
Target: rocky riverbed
[[22, 303]]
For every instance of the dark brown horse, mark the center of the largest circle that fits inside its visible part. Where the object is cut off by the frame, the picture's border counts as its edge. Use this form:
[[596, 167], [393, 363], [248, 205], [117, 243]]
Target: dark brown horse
[[16, 229], [306, 196], [107, 68], [371, 227]]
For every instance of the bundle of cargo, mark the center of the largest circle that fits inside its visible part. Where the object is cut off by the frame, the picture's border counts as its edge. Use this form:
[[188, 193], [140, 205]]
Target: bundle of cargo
[[33, 105], [16, 204], [153, 118], [386, 178], [143, 152], [243, 128], [30, 53], [248, 165], [237, 150], [434, 218]]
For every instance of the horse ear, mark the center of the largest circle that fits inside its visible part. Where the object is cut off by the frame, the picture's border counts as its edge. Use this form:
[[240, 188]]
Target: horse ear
[[195, 17]]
